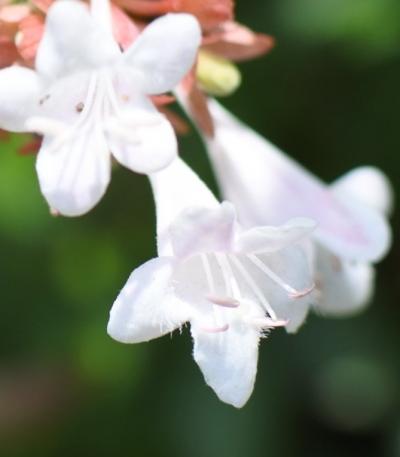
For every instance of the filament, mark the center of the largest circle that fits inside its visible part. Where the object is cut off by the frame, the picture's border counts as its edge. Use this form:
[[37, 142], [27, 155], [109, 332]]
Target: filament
[[253, 286]]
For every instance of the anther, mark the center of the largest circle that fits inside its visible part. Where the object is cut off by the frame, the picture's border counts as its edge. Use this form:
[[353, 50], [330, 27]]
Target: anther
[[43, 99], [226, 302], [221, 329], [292, 292], [265, 322], [302, 293], [79, 107]]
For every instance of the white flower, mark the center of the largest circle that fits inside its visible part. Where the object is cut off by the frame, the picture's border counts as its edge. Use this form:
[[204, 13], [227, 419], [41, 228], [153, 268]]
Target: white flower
[[267, 187], [346, 287], [88, 98], [231, 284]]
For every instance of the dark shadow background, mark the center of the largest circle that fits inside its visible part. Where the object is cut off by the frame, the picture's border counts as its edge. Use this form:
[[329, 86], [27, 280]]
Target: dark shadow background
[[329, 95]]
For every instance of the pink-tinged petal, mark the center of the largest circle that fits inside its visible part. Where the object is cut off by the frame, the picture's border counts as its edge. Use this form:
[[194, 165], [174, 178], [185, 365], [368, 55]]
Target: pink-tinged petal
[[210, 13], [74, 170], [31, 31], [19, 95], [267, 187], [146, 307], [8, 51], [175, 189], [13, 14], [343, 288], [274, 238], [124, 29], [368, 185], [237, 42], [227, 356], [73, 40], [364, 235], [164, 52], [198, 230], [151, 8]]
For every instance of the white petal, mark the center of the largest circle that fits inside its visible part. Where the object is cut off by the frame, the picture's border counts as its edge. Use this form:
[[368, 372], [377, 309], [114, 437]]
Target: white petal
[[228, 361], [64, 99], [199, 230], [74, 172], [370, 186], [19, 96], [271, 238], [165, 52], [268, 187], [344, 287], [364, 236], [177, 188], [141, 138], [72, 41], [146, 307]]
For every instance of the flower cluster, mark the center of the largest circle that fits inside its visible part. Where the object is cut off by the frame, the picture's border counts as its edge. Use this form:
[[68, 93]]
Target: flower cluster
[[91, 82]]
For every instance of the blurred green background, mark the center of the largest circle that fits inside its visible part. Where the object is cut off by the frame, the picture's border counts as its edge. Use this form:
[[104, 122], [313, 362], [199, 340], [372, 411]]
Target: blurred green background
[[329, 95]]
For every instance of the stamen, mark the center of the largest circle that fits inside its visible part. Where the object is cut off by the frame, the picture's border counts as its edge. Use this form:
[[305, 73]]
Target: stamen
[[293, 293], [221, 329], [43, 99], [253, 286], [61, 131], [232, 285], [265, 322], [303, 293], [80, 107], [226, 302], [225, 274], [56, 128], [207, 269], [89, 102]]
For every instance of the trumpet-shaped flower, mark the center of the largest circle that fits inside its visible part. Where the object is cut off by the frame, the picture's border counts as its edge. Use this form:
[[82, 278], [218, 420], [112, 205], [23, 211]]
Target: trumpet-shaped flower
[[231, 284], [88, 98], [346, 287], [267, 187]]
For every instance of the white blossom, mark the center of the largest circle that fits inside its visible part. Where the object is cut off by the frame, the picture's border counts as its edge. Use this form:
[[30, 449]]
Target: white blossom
[[231, 284], [268, 187], [88, 98]]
